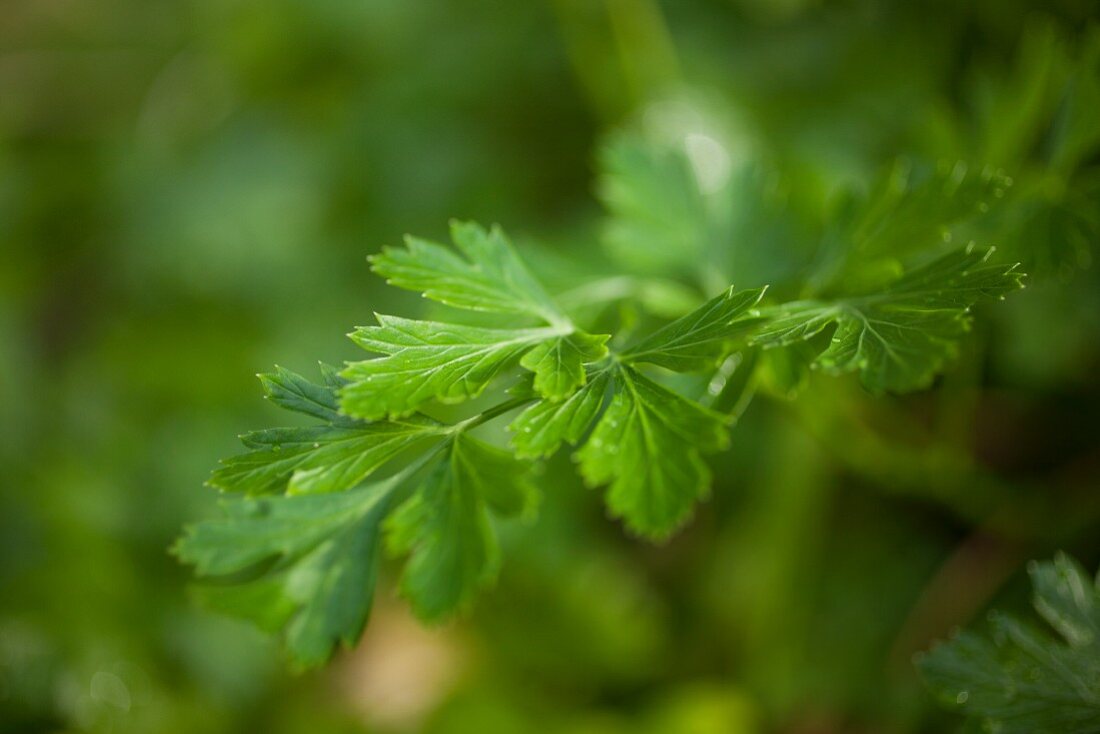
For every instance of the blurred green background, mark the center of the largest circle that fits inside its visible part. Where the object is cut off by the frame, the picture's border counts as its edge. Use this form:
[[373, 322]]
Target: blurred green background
[[188, 190]]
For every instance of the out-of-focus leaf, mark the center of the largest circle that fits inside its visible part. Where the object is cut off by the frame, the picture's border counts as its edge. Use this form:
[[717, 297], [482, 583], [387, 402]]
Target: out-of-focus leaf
[[659, 219], [323, 551], [900, 337], [1023, 680]]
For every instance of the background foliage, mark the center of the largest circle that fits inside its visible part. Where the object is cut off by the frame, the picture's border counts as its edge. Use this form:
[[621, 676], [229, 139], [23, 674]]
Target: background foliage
[[187, 194]]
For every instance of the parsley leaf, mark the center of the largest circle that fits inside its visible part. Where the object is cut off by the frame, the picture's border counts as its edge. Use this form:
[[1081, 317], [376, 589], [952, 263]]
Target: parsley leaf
[[901, 336], [323, 458], [321, 552], [700, 338], [428, 360], [318, 458], [540, 429], [445, 525], [914, 208], [299, 552], [558, 364], [491, 276], [659, 220], [1023, 680], [313, 559], [647, 446], [292, 391]]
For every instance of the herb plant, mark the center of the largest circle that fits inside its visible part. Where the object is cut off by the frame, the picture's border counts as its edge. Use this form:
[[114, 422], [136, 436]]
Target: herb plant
[[310, 509], [637, 361], [623, 496]]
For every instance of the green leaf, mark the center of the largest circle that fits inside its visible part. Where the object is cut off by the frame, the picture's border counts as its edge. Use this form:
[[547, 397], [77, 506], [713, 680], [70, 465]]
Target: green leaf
[[699, 339], [292, 391], [318, 458], [428, 360], [485, 274], [1054, 232], [445, 526], [659, 220], [558, 364], [899, 338], [317, 562], [914, 207], [647, 445], [540, 429], [1023, 680]]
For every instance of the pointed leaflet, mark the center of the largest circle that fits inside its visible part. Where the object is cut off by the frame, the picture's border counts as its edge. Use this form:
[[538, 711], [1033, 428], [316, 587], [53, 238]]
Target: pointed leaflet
[[488, 275], [445, 525], [1024, 681], [314, 557], [647, 446], [324, 549], [323, 458], [540, 429], [428, 360], [292, 391], [699, 339], [558, 364], [318, 458], [434, 361], [901, 337]]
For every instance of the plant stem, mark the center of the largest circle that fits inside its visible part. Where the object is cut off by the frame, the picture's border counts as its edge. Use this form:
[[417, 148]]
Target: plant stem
[[490, 413]]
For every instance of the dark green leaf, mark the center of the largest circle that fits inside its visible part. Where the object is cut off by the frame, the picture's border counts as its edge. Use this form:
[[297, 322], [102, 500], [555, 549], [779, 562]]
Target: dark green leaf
[[318, 458], [899, 338], [323, 555], [1023, 680], [445, 526], [292, 391]]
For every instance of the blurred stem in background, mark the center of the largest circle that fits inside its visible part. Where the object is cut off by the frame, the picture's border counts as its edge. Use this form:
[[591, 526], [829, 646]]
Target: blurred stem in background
[[647, 68]]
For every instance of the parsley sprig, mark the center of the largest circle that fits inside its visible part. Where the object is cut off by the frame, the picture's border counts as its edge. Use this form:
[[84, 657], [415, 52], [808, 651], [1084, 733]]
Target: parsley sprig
[[309, 510]]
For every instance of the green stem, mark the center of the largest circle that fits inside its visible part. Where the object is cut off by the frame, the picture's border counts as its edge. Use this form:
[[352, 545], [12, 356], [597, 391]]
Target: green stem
[[489, 414]]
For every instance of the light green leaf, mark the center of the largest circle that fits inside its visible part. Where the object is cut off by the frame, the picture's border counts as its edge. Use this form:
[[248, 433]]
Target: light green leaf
[[647, 445], [322, 551], [558, 364], [485, 274], [445, 526], [1023, 680], [699, 339], [428, 360], [318, 458], [659, 220], [540, 429], [899, 338]]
